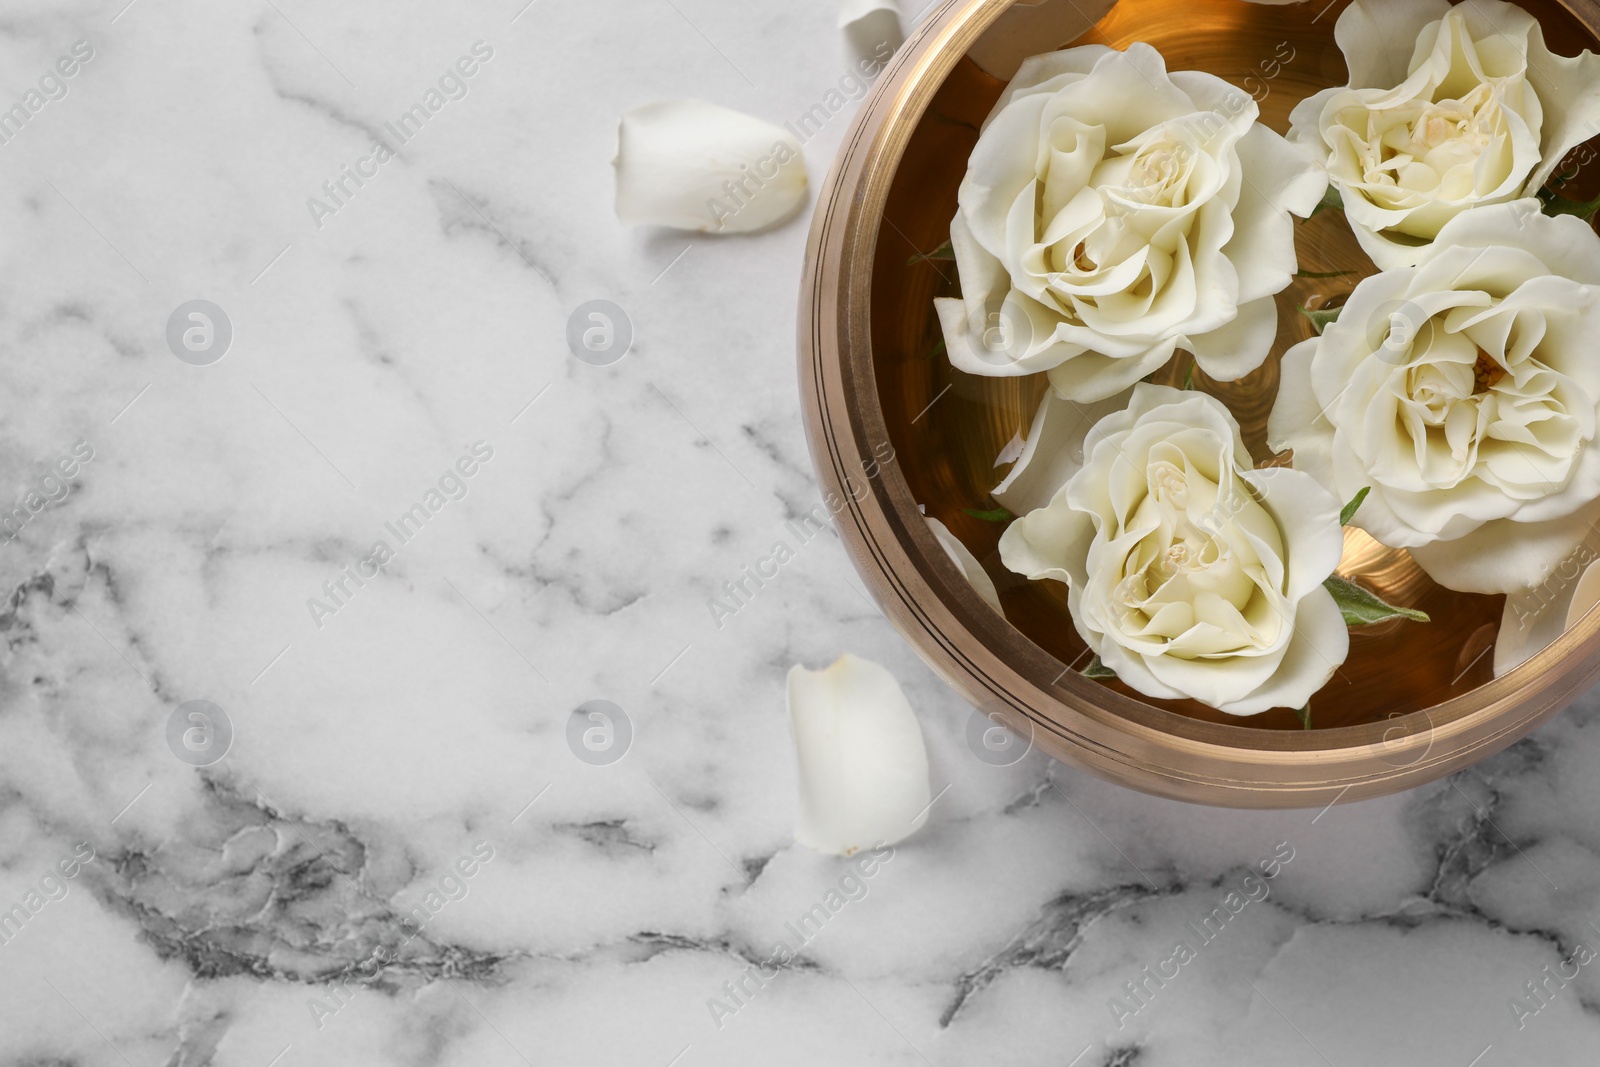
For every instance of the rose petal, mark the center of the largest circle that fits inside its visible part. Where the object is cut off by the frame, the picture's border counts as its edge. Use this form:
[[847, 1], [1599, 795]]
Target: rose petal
[[1089, 377], [968, 564], [1378, 37], [1505, 556], [1128, 92], [1568, 88], [965, 335], [1052, 451], [863, 764], [870, 27], [1001, 169], [983, 276], [1224, 689], [1532, 619], [1186, 406], [1038, 545], [1230, 352], [1281, 177], [1320, 643], [692, 165], [1585, 596], [1045, 72], [1308, 517], [1298, 421], [1565, 243]]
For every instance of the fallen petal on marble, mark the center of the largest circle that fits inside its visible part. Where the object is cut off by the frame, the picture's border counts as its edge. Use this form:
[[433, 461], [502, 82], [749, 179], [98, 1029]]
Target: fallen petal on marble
[[871, 28], [863, 765], [1536, 617], [963, 558], [692, 165]]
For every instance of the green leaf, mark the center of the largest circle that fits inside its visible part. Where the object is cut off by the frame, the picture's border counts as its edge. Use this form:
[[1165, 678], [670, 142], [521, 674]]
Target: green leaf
[[1331, 201], [1558, 180], [1321, 320], [1556, 204], [1304, 715], [997, 515], [943, 253], [1325, 273], [1096, 669], [1188, 378], [1362, 608], [1351, 508]]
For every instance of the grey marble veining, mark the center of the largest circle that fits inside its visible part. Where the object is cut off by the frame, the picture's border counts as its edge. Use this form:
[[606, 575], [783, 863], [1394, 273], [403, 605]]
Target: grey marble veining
[[400, 860]]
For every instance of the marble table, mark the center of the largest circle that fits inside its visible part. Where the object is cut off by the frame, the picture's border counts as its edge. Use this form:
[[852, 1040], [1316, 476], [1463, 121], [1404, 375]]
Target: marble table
[[407, 855]]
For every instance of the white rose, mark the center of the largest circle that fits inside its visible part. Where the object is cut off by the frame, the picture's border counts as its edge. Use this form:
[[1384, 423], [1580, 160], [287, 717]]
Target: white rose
[[1465, 391], [1188, 572], [1447, 108], [1112, 213]]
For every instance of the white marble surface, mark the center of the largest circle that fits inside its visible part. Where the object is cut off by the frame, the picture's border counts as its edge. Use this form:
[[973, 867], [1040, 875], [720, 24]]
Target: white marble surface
[[426, 718]]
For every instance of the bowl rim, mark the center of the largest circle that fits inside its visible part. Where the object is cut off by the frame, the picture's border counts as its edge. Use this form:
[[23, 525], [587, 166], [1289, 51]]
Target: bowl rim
[[973, 648]]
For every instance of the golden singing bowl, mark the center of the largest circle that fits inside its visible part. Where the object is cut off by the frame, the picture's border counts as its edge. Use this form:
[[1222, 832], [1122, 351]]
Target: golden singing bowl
[[893, 426]]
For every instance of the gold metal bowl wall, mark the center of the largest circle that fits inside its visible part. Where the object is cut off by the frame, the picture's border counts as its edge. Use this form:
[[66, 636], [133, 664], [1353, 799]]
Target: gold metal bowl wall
[[1411, 703]]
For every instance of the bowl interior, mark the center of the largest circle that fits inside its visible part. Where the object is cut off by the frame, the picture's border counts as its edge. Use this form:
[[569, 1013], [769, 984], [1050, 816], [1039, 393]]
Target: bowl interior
[[948, 428]]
